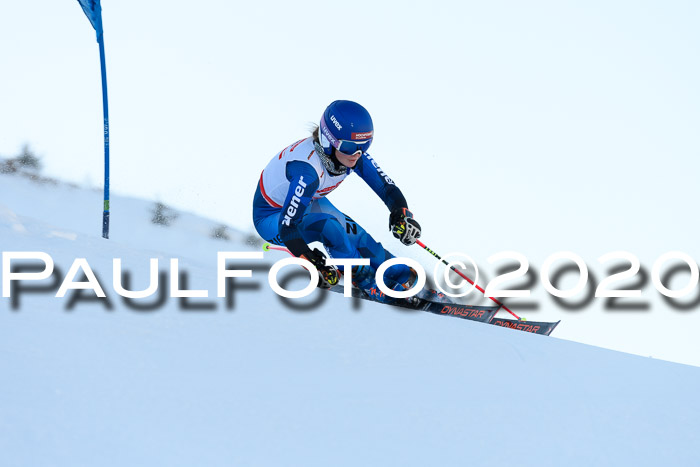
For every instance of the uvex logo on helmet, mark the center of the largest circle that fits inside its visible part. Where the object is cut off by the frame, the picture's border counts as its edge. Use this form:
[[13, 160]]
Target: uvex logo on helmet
[[365, 135], [336, 123]]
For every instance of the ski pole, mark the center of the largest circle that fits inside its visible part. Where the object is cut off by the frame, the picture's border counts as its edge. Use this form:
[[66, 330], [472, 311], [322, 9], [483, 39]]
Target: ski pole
[[270, 246], [425, 247]]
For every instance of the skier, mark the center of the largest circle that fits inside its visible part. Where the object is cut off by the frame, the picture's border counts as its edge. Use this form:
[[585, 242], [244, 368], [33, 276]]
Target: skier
[[290, 207]]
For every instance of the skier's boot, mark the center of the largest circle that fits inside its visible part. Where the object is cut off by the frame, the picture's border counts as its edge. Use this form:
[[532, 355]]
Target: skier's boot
[[363, 279], [425, 293]]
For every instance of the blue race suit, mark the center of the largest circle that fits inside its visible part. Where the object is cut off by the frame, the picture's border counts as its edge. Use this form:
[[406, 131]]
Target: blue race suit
[[306, 215]]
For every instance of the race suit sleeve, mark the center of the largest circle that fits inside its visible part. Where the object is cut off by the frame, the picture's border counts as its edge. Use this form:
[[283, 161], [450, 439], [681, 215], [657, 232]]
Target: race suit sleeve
[[303, 183], [380, 183]]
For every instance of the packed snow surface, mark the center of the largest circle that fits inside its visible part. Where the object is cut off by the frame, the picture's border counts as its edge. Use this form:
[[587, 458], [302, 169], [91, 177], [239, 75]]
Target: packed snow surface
[[257, 383]]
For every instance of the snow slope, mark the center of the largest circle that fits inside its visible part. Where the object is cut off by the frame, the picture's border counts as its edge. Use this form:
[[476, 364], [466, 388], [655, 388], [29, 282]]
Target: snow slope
[[261, 384]]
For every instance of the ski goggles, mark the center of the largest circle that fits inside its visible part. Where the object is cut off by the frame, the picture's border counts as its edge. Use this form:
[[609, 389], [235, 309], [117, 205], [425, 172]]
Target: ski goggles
[[353, 147]]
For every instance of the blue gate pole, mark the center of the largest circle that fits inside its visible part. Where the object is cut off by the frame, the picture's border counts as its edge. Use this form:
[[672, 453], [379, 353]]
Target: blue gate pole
[[105, 110]]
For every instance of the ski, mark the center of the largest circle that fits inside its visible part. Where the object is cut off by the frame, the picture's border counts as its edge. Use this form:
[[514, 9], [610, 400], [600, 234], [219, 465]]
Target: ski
[[535, 327], [482, 314]]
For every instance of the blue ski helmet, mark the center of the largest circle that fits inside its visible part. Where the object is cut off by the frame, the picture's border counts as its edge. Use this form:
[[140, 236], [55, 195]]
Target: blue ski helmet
[[346, 126]]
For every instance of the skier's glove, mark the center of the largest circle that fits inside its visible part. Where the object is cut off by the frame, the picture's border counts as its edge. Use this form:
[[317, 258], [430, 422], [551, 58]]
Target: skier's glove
[[404, 226], [328, 276]]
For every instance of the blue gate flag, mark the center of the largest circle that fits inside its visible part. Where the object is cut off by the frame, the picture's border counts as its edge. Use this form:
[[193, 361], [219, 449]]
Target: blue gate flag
[[93, 10]]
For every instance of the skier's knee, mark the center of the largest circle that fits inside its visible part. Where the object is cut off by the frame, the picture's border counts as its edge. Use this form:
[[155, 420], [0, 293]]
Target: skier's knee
[[334, 234]]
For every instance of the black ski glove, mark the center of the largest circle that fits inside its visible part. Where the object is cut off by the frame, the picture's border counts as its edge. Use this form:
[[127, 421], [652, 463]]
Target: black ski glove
[[404, 226], [328, 276]]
